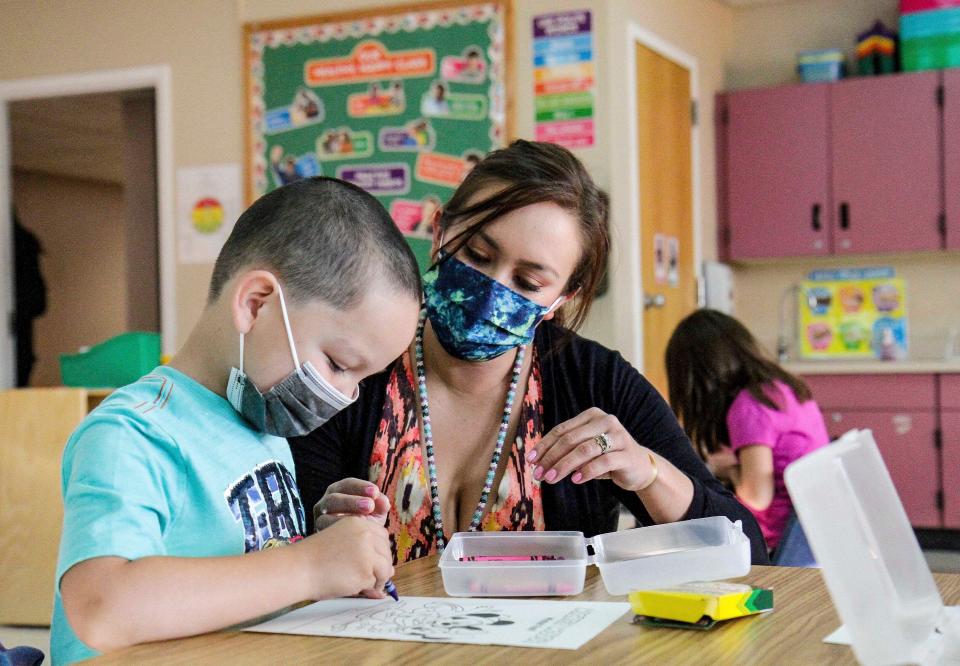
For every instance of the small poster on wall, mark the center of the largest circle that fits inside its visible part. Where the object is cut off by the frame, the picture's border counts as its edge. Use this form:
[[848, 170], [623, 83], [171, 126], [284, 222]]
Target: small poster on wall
[[209, 201], [853, 313], [564, 82]]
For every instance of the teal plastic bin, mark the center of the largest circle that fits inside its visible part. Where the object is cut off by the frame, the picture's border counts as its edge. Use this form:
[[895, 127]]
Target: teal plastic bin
[[821, 65], [119, 361]]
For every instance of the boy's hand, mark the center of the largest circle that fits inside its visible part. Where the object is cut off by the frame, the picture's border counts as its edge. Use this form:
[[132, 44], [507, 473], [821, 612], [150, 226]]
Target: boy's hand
[[350, 557], [350, 497], [723, 463]]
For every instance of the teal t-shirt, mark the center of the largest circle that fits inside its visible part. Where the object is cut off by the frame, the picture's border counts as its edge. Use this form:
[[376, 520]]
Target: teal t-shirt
[[166, 467]]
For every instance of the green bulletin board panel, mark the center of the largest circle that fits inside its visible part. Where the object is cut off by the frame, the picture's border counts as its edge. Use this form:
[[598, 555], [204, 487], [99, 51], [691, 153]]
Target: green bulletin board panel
[[401, 102]]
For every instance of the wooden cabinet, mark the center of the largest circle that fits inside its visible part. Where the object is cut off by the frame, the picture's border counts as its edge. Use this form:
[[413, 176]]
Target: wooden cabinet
[[950, 436], [853, 167], [36, 426], [776, 170], [951, 143]]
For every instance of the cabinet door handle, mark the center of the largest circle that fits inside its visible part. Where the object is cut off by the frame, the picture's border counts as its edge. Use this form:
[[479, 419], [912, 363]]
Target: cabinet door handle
[[815, 217], [844, 216]]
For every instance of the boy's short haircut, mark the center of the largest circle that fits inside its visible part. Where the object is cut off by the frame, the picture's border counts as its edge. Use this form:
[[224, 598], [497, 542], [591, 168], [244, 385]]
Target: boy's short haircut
[[324, 239]]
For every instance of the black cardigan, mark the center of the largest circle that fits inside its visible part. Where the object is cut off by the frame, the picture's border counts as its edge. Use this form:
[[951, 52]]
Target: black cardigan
[[577, 374]]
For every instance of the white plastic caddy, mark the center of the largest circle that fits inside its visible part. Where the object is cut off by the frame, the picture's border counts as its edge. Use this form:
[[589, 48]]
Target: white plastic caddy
[[639, 559], [872, 564]]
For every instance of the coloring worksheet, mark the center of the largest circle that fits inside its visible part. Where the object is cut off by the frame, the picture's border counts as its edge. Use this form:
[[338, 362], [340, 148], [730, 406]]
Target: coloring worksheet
[[522, 623]]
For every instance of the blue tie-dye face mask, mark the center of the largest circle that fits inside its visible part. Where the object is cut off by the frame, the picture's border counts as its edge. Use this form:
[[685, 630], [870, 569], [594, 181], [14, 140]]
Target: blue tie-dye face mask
[[475, 317]]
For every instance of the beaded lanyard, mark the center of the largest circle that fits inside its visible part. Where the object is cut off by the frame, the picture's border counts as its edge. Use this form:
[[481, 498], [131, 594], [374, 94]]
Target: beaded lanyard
[[428, 438]]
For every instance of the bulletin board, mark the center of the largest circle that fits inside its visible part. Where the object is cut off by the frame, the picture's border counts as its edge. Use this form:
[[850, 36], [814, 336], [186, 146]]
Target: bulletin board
[[401, 101]]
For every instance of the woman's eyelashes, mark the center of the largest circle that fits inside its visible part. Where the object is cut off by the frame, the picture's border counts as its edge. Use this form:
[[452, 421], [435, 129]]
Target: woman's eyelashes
[[338, 369], [526, 285], [476, 257], [479, 259]]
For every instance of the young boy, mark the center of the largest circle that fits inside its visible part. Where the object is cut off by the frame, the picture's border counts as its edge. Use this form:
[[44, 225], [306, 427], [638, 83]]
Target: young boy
[[177, 486]]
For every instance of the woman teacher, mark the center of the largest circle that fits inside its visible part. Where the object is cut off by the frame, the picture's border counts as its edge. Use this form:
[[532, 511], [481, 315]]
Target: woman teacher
[[499, 417]]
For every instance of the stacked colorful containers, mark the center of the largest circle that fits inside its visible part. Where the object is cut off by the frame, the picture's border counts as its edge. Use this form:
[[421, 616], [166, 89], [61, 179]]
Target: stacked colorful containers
[[929, 34]]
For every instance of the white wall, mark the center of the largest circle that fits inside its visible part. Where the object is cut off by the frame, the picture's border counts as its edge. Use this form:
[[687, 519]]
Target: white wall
[[766, 38]]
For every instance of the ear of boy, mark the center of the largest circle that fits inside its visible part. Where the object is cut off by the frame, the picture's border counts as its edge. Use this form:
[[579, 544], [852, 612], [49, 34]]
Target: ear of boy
[[249, 294], [256, 313]]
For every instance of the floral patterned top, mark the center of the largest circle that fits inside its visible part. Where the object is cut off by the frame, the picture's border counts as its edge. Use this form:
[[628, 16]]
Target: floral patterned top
[[398, 468]]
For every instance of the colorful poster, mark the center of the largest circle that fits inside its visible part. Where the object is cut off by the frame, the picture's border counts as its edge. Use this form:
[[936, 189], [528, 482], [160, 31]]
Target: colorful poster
[[564, 90], [208, 205], [403, 104], [853, 313]]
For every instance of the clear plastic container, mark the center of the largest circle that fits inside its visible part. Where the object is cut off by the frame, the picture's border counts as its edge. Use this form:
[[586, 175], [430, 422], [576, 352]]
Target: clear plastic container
[[872, 564], [639, 559]]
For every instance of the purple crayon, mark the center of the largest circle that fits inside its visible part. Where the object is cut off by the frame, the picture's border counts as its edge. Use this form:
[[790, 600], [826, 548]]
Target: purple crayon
[[391, 589]]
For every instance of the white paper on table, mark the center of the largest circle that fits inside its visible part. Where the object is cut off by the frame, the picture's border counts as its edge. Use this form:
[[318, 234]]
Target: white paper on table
[[839, 637], [523, 623]]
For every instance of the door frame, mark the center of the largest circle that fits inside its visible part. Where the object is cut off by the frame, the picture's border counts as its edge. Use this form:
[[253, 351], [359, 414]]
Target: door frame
[[157, 77], [639, 35]]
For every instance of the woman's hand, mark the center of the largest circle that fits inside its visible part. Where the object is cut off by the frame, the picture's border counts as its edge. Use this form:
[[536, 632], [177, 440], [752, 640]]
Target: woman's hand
[[572, 448], [350, 497]]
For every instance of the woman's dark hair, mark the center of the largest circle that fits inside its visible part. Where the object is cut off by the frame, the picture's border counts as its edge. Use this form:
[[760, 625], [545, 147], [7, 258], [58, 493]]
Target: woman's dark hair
[[529, 173], [712, 357]]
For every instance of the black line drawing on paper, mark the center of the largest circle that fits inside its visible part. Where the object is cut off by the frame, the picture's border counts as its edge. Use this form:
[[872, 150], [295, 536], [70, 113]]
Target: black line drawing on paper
[[432, 621]]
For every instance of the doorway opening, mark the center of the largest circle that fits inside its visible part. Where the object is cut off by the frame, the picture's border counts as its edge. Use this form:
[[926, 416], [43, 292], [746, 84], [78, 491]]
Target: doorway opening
[[84, 188], [85, 168]]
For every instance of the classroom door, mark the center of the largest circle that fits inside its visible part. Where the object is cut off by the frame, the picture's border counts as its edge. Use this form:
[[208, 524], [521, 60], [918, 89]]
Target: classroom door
[[664, 133]]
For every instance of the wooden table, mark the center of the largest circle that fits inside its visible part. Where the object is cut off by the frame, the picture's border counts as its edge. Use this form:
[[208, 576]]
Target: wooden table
[[792, 634]]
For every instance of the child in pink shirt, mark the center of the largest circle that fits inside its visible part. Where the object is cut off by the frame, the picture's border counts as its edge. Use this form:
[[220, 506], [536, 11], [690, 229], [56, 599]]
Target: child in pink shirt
[[748, 417]]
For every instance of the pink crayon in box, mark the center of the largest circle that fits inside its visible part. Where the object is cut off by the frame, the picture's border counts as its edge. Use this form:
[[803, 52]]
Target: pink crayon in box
[[554, 563]]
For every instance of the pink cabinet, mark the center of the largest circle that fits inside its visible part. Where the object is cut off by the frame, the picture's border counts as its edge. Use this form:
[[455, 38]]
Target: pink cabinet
[[901, 410], [906, 442], [885, 149], [874, 392], [776, 166], [950, 427], [951, 142], [853, 167], [950, 392]]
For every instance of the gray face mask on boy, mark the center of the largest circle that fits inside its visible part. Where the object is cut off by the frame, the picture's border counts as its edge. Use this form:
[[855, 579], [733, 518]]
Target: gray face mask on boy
[[299, 404]]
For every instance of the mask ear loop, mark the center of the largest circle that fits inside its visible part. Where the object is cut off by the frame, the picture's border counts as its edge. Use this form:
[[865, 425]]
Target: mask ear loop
[[241, 353], [286, 326]]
